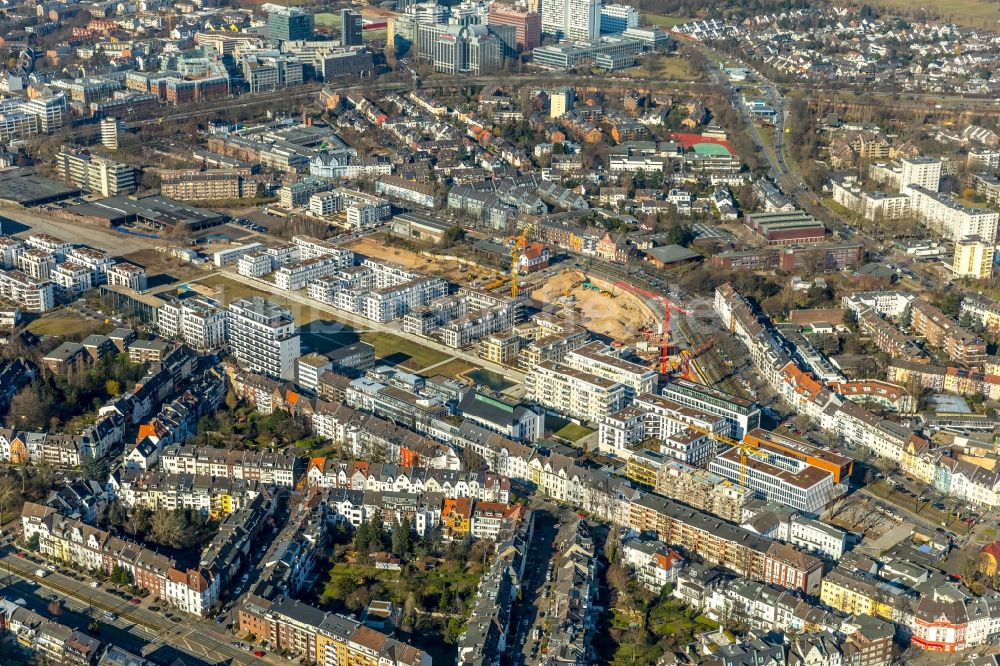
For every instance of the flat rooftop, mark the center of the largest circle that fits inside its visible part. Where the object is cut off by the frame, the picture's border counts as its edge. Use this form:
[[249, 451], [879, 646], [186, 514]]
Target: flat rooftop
[[24, 188], [156, 209]]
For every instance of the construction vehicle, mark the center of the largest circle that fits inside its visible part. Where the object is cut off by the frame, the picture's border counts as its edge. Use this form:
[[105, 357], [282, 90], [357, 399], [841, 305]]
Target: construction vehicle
[[687, 356], [668, 305]]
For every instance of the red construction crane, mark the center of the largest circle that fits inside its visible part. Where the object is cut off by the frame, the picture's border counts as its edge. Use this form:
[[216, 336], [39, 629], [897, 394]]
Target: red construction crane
[[668, 305]]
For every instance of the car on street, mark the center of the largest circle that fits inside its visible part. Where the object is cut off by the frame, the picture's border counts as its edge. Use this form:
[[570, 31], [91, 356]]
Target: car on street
[[259, 653]]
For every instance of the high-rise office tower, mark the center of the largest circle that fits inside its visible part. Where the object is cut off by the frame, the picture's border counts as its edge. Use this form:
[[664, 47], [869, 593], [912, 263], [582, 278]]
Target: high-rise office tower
[[351, 28], [285, 24]]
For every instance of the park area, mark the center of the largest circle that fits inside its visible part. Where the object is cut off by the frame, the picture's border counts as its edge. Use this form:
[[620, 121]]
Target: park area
[[618, 315]]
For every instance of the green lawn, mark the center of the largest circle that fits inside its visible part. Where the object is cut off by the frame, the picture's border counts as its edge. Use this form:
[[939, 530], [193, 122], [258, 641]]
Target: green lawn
[[452, 368], [974, 13], [66, 326], [662, 20], [400, 351], [327, 20], [572, 432]]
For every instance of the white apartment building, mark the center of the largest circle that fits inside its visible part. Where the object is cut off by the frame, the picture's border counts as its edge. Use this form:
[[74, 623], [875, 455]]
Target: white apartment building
[[315, 248], [947, 218], [95, 173], [886, 303], [599, 359], [263, 337], [71, 278], [39, 264], [292, 277], [574, 393], [111, 129], [325, 204], [922, 172], [98, 261], [574, 20], [679, 431], [233, 254], [882, 206], [48, 243], [126, 274], [309, 368], [377, 290], [255, 264], [31, 294], [364, 210], [200, 322], [51, 111], [818, 537], [10, 249]]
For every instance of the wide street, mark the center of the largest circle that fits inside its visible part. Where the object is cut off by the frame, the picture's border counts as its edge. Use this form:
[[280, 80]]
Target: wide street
[[136, 628]]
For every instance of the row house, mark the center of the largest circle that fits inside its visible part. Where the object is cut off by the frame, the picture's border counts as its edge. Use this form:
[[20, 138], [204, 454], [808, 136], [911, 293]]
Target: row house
[[322, 637], [267, 467], [193, 591], [162, 491], [361, 475]]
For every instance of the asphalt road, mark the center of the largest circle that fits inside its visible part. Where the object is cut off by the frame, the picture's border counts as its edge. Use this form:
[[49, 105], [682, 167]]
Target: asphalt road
[[155, 635]]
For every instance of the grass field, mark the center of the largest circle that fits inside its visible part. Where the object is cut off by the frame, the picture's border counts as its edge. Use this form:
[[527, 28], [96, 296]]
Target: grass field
[[975, 13], [662, 20], [572, 432], [67, 326], [453, 368], [327, 20]]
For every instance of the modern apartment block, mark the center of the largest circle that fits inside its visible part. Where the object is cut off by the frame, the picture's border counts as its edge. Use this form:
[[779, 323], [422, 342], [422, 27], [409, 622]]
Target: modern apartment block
[[578, 394], [95, 173], [599, 359], [653, 418], [200, 322], [377, 290], [263, 337], [949, 219], [125, 274], [574, 20], [464, 319], [98, 261], [742, 415], [32, 294]]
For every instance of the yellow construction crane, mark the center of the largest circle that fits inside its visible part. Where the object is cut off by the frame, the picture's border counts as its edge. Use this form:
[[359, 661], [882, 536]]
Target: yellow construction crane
[[744, 447], [520, 243]]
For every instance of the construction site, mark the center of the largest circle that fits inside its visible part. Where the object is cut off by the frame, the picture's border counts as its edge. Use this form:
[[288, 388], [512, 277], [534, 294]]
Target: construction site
[[610, 312]]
